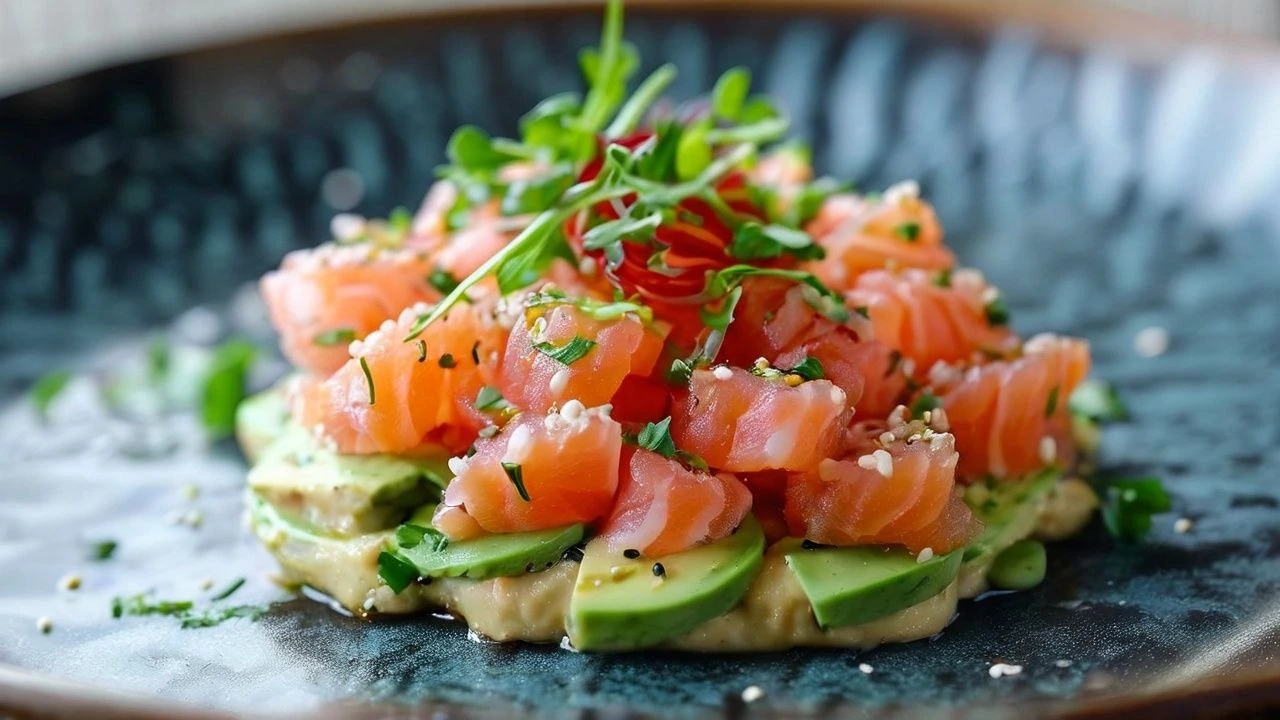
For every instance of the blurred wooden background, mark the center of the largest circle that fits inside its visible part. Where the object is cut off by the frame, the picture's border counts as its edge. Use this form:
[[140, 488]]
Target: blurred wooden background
[[45, 40]]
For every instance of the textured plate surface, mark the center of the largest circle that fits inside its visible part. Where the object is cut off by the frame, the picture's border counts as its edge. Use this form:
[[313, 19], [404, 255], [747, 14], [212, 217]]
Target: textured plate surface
[[1103, 197]]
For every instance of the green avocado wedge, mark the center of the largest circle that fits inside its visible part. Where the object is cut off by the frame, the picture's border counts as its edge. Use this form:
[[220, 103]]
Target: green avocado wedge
[[621, 603], [260, 420], [346, 494], [501, 555], [1008, 511], [854, 585]]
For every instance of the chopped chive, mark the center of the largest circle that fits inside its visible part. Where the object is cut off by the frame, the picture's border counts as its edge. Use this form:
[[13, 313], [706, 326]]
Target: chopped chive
[[997, 313], [569, 353], [337, 336], [229, 590], [1052, 403], [226, 386], [422, 351], [104, 550], [490, 398], [908, 231], [475, 353], [657, 438], [368, 378], [927, 401], [515, 473], [943, 278], [443, 281]]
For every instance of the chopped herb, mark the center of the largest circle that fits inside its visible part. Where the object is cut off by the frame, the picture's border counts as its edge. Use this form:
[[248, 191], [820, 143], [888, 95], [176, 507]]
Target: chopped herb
[[810, 368], [908, 231], [159, 358], [443, 281], [395, 571], [490, 398], [657, 437], [47, 388], [138, 605], [863, 310], [103, 550], [446, 361], [681, 372], [226, 386], [229, 590], [368, 378], [719, 316], [1098, 401], [411, 535], [567, 354], [997, 313], [753, 241], [1051, 404], [515, 474], [926, 401], [475, 353], [338, 336], [943, 278], [400, 221], [1129, 503], [210, 618], [422, 351]]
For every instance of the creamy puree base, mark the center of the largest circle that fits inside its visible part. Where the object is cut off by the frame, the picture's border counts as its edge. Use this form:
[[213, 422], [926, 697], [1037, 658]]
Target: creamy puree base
[[773, 615]]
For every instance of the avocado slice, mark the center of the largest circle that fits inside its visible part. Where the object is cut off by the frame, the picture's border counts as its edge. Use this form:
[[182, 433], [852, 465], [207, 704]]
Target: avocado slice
[[620, 603], [347, 494], [854, 585], [261, 419], [1008, 510], [499, 555]]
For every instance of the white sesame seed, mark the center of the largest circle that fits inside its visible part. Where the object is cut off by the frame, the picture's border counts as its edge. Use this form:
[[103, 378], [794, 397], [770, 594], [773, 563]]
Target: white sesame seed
[[865, 668], [898, 416], [69, 582], [1183, 525], [45, 624], [457, 465], [572, 410], [347, 226], [194, 518], [355, 348], [938, 420], [1062, 663], [752, 693], [925, 555], [368, 604], [942, 441], [1151, 342], [886, 438], [999, 670], [761, 364], [896, 193], [867, 462], [722, 373], [837, 396], [519, 445], [989, 295], [387, 326], [884, 462], [206, 584], [1048, 449], [587, 266], [559, 381]]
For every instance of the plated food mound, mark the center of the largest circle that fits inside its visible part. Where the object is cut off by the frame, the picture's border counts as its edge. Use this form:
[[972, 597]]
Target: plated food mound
[[636, 379]]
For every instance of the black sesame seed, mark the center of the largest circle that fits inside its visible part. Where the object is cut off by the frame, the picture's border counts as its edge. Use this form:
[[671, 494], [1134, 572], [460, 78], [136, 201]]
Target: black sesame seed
[[550, 563], [810, 545], [631, 553], [574, 553], [658, 570], [530, 568]]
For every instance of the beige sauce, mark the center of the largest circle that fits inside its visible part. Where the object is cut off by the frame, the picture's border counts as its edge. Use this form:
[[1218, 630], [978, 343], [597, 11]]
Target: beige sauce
[[774, 613]]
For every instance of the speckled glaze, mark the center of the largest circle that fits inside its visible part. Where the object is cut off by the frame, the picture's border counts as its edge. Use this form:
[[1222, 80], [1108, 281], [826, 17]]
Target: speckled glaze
[[1103, 196]]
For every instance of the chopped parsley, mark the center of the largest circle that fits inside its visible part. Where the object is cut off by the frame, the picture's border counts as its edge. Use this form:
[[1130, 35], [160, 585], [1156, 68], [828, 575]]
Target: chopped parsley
[[657, 437], [368, 378], [226, 386], [443, 281], [810, 368], [337, 336], [908, 231], [996, 312], [184, 610], [138, 605], [395, 571], [680, 373], [103, 550], [411, 535], [569, 353], [490, 398], [1129, 503], [515, 473], [1051, 405], [753, 241], [217, 616], [48, 388], [446, 361], [943, 278]]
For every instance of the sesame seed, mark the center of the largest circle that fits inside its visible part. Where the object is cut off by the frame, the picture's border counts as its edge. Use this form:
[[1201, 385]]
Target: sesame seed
[[587, 266], [884, 462], [925, 555], [559, 381], [69, 582], [896, 193], [761, 364], [999, 670], [1151, 342], [1062, 663], [898, 416], [347, 226], [837, 396], [368, 603], [990, 295], [887, 437], [45, 624], [752, 693], [572, 410], [631, 553], [938, 420], [206, 584], [1048, 449], [867, 462], [722, 373], [1183, 525], [457, 465], [865, 668]]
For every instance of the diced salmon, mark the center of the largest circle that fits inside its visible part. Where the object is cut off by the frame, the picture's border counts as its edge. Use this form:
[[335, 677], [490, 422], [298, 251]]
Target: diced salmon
[[663, 507], [903, 493], [567, 463], [421, 391], [1009, 417], [322, 298], [898, 231], [456, 524], [739, 422], [619, 348], [926, 322]]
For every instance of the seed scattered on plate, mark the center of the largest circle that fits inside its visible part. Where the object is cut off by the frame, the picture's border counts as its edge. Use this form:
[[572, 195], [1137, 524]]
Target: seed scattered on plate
[[1062, 663], [1183, 525], [190, 491], [752, 693], [45, 624], [866, 669], [1000, 670], [70, 582], [1151, 341]]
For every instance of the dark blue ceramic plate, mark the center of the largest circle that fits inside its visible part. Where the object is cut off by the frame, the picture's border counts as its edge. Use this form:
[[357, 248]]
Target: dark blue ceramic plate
[[1106, 194]]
